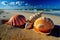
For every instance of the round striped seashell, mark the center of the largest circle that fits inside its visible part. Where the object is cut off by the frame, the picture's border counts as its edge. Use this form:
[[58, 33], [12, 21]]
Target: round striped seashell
[[43, 25], [17, 20]]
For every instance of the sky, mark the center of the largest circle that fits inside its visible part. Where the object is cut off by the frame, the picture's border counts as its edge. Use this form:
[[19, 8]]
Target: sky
[[29, 4]]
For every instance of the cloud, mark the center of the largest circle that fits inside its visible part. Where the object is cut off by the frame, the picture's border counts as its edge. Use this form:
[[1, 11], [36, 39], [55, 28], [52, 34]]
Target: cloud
[[4, 2], [19, 2], [12, 3], [26, 4]]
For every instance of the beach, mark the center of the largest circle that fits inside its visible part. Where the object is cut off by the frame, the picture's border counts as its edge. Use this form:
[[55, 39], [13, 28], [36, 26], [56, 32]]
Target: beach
[[8, 33]]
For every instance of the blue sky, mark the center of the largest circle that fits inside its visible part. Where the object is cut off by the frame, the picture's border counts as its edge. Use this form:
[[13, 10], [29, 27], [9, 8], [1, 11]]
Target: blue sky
[[39, 4]]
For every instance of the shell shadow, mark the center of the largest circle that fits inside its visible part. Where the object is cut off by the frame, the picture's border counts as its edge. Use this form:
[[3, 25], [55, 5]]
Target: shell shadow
[[0, 38], [55, 31], [22, 26]]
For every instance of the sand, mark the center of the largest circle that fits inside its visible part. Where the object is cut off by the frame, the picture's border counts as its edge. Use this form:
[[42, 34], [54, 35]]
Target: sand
[[7, 32]]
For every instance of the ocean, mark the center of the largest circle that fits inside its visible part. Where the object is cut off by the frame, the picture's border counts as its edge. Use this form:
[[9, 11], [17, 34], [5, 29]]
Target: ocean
[[56, 13]]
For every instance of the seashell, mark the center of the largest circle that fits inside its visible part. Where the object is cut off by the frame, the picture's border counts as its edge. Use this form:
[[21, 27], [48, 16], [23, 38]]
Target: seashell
[[43, 24], [32, 19], [36, 16], [17, 20]]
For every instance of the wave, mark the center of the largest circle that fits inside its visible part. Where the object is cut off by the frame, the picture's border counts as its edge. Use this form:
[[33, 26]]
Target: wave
[[57, 13]]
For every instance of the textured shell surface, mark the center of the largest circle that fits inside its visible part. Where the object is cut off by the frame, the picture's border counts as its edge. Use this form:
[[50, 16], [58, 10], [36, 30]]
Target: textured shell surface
[[32, 19], [17, 20], [35, 16], [43, 24]]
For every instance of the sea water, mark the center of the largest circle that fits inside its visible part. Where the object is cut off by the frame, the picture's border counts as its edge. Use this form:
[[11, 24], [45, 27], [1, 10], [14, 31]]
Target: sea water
[[56, 13]]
